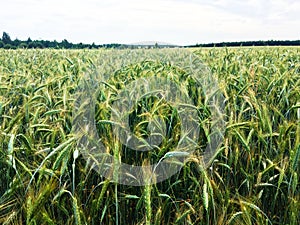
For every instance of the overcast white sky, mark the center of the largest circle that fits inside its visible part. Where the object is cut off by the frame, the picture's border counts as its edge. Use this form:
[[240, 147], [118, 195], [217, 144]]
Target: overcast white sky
[[174, 21]]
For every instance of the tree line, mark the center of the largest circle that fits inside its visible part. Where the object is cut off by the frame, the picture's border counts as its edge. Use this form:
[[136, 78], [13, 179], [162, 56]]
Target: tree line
[[7, 43], [250, 43]]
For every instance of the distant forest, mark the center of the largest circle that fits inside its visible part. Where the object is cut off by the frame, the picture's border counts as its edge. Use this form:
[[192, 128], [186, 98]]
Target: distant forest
[[7, 43], [250, 43]]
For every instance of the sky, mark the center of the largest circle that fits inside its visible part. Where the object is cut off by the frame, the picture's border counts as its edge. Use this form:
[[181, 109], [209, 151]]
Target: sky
[[181, 22]]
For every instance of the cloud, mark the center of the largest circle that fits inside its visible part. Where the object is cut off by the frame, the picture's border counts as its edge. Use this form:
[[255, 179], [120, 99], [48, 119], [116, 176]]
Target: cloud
[[174, 21]]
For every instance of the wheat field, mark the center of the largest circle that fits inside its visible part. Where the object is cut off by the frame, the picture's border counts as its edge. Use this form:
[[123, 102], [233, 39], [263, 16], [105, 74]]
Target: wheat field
[[252, 179]]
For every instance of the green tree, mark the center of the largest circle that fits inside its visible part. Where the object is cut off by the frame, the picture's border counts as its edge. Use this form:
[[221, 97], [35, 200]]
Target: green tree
[[9, 46], [6, 38], [23, 45], [64, 44]]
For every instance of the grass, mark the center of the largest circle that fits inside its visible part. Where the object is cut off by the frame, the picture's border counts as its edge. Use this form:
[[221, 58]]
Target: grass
[[253, 178]]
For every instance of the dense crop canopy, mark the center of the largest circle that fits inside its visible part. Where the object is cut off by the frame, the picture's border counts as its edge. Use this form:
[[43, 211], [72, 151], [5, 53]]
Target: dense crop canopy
[[252, 179]]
